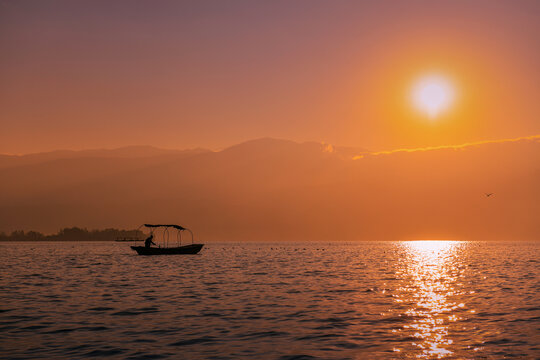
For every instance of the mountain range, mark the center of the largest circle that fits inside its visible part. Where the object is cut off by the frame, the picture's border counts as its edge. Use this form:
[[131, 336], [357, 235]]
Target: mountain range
[[273, 190]]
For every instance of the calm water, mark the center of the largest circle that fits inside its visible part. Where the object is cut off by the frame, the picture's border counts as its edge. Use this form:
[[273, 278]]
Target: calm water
[[471, 300]]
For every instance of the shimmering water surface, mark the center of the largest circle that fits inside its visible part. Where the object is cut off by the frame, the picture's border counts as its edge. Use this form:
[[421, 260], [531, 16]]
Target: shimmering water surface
[[391, 300]]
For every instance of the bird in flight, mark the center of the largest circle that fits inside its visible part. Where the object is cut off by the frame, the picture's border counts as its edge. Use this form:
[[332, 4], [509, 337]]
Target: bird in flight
[[489, 194]]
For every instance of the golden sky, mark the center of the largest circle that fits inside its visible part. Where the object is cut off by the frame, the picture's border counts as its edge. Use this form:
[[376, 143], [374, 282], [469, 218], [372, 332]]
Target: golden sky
[[92, 74]]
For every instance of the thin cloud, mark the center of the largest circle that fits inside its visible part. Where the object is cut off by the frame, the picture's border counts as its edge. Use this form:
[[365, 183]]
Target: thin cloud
[[454, 147]]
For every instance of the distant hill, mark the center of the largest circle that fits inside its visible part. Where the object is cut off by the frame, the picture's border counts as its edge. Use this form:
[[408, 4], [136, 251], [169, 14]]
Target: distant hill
[[269, 189], [124, 152], [75, 234]]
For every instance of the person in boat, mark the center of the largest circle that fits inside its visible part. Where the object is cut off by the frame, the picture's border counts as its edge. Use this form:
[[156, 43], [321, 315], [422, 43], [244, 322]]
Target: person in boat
[[148, 242]]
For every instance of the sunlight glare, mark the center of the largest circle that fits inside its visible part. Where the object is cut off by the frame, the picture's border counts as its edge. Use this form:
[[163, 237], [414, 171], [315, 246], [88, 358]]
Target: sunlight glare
[[429, 286]]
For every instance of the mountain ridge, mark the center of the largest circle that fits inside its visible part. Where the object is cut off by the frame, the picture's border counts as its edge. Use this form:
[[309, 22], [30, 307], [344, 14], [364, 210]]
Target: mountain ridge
[[268, 189]]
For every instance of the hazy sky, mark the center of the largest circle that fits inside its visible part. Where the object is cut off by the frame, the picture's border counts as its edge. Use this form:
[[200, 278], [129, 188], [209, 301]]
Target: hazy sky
[[177, 74]]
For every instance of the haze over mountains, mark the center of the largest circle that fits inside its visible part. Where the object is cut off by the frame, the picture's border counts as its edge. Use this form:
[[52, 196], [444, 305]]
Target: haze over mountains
[[124, 152], [270, 189]]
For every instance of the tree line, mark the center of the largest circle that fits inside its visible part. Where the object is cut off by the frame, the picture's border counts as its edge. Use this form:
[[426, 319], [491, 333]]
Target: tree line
[[73, 234]]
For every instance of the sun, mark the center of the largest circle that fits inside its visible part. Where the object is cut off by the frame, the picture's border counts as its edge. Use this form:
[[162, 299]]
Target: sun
[[433, 95]]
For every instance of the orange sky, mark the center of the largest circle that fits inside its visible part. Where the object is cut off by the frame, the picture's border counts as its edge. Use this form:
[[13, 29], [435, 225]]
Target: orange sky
[[91, 74]]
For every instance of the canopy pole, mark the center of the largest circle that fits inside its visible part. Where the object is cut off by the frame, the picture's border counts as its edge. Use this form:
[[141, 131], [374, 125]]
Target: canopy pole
[[166, 236], [191, 235]]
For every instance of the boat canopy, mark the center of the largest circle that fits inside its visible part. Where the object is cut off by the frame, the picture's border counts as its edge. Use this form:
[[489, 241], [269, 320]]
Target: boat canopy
[[178, 227], [165, 232]]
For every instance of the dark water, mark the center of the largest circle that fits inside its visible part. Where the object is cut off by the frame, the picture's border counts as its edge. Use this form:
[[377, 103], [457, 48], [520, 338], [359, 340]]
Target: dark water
[[466, 300]]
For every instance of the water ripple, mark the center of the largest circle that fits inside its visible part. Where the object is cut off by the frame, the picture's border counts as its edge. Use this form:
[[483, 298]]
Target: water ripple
[[393, 300]]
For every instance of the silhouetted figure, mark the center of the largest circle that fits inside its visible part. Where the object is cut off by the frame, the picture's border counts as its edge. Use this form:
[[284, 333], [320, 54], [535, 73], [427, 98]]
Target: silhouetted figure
[[148, 242]]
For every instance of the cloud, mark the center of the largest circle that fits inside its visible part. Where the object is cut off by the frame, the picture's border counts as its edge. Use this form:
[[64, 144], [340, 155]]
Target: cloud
[[535, 138]]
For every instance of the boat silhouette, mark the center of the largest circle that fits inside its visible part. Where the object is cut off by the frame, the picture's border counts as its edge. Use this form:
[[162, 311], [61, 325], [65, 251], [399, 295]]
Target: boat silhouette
[[166, 249]]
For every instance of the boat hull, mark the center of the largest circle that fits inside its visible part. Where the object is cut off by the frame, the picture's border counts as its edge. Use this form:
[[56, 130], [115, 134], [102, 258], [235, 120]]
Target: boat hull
[[180, 250]]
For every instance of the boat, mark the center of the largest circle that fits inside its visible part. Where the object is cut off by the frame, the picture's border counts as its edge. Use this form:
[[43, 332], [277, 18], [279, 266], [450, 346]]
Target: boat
[[179, 249], [186, 249]]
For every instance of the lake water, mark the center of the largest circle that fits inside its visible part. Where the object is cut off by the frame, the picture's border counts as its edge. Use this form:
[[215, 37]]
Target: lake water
[[389, 300]]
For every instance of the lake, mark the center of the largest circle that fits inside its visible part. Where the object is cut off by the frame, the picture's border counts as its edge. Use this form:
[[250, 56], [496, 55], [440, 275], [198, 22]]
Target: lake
[[368, 300]]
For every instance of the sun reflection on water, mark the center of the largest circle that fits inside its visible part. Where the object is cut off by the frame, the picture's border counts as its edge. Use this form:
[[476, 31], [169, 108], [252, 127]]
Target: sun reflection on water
[[429, 291]]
